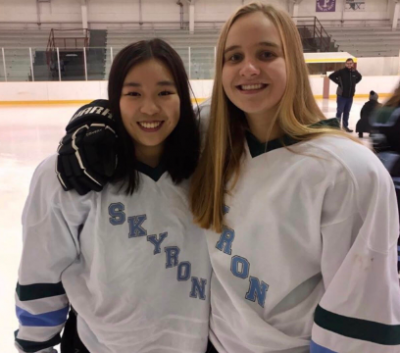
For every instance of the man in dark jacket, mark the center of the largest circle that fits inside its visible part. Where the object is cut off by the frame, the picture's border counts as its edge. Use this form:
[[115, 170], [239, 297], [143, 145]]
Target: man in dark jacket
[[346, 78]]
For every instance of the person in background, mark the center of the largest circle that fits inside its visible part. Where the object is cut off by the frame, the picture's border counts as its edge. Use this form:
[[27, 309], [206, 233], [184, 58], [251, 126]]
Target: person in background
[[363, 125], [346, 79], [385, 122], [385, 128], [384, 114]]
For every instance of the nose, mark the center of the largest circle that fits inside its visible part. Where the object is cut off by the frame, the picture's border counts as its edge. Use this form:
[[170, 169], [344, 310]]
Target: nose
[[249, 69], [149, 107]]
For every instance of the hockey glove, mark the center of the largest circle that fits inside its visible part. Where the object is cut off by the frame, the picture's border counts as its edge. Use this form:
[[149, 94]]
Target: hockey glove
[[87, 154]]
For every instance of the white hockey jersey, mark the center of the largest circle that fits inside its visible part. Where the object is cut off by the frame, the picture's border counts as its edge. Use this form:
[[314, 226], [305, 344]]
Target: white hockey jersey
[[307, 261], [135, 268]]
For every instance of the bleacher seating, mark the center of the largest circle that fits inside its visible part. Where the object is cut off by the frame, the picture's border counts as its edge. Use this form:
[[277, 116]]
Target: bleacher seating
[[16, 44], [201, 45], [367, 42], [360, 42]]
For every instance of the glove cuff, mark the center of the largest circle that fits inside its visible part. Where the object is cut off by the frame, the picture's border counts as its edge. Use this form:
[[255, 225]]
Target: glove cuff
[[97, 111]]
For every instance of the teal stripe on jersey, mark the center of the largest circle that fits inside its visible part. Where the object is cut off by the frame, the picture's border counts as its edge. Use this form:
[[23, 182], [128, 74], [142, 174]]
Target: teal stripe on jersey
[[153, 173], [39, 290], [356, 328], [257, 148], [31, 346], [316, 348]]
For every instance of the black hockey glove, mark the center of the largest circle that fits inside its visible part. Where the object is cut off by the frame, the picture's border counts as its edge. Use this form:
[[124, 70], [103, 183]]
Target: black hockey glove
[[87, 154]]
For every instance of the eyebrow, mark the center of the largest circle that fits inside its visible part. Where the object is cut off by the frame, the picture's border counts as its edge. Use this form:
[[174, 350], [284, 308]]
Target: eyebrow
[[160, 83], [264, 44]]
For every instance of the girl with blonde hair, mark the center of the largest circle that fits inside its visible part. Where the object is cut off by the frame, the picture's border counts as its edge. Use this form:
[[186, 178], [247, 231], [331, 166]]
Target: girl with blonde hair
[[302, 219], [394, 100], [385, 122]]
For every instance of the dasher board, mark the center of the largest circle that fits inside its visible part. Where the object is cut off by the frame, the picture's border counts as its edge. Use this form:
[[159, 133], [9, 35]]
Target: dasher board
[[335, 57]]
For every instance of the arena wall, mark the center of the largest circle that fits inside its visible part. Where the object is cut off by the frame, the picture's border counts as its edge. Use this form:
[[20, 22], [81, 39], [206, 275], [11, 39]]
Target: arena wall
[[166, 13], [84, 91]]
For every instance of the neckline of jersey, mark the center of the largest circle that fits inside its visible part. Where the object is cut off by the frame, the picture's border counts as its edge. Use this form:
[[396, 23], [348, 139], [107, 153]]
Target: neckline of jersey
[[258, 148], [152, 173]]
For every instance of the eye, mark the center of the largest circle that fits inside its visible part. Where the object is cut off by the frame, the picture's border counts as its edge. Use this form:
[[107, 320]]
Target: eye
[[132, 94], [165, 93], [267, 55], [234, 58]]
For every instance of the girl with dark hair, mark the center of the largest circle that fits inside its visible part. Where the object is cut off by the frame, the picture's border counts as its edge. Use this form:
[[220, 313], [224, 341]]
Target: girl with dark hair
[[128, 260]]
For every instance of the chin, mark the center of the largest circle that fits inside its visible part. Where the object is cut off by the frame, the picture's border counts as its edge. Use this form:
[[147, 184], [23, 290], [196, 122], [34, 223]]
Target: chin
[[251, 109], [151, 144]]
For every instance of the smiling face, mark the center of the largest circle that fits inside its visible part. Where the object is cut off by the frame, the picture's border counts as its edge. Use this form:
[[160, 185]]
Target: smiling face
[[150, 106], [254, 70]]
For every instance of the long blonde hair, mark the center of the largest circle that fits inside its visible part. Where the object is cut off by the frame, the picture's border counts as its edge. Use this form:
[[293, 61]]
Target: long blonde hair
[[394, 100], [225, 139]]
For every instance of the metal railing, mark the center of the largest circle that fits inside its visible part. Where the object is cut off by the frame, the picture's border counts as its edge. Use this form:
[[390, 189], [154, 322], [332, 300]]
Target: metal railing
[[86, 63], [58, 38], [313, 34], [65, 38]]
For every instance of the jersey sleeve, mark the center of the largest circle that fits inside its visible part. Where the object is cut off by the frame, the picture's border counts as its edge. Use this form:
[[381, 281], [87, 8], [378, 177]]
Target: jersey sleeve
[[360, 309], [50, 224], [203, 115]]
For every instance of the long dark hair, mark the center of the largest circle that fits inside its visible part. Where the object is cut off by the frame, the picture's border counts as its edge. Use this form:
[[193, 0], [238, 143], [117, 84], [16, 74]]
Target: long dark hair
[[182, 147]]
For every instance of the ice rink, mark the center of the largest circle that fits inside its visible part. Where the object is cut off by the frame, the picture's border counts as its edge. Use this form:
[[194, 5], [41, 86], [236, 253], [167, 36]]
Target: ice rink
[[28, 134]]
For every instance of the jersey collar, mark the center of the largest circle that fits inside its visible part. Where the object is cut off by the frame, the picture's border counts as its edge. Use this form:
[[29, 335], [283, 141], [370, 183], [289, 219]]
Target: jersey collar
[[257, 148], [153, 173]]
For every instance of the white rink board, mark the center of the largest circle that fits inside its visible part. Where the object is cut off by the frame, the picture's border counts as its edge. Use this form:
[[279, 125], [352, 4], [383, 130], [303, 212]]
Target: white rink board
[[90, 90]]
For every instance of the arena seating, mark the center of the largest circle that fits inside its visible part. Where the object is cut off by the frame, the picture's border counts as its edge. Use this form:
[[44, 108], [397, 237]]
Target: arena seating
[[16, 44], [201, 45], [360, 42], [367, 41]]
